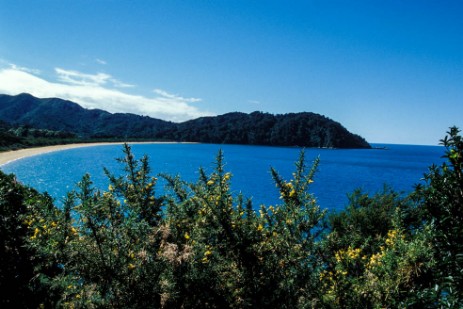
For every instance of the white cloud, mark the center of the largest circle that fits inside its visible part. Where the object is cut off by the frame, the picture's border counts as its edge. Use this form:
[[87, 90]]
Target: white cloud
[[119, 84], [165, 96], [101, 61], [81, 79], [77, 78], [32, 71], [96, 91]]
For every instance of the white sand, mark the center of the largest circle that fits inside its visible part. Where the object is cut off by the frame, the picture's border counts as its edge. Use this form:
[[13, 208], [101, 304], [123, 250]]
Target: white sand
[[9, 156]]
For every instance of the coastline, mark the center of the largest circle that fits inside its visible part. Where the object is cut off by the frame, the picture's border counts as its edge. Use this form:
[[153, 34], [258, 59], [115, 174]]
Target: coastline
[[13, 155]]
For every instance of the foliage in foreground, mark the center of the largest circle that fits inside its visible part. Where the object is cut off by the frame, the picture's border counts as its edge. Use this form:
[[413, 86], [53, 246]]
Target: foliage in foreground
[[198, 245]]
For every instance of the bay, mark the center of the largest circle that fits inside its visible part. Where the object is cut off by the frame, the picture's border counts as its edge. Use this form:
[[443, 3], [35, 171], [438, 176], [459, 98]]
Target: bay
[[340, 172]]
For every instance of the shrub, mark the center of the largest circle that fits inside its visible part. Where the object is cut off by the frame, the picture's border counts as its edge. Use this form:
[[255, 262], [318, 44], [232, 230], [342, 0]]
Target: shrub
[[442, 200], [19, 263], [200, 245]]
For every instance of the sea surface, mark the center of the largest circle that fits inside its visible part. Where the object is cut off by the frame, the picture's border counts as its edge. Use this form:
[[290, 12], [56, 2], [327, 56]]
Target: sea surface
[[339, 173]]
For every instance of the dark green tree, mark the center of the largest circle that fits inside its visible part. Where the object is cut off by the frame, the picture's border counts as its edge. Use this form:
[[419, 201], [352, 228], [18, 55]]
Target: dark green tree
[[442, 199]]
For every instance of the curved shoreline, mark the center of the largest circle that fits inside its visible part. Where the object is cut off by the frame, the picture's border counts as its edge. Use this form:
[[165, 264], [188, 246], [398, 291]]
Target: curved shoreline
[[13, 155]]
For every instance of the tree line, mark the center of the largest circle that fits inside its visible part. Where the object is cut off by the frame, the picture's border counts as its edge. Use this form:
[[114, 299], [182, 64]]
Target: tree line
[[15, 137]]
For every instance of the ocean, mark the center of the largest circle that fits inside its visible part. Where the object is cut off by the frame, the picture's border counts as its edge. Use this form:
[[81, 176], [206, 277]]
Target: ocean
[[339, 173]]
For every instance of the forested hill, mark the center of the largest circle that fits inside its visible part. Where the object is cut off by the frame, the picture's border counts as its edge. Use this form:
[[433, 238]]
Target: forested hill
[[62, 115], [297, 129]]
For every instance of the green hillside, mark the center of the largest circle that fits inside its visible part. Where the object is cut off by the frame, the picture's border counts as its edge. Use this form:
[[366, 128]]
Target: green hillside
[[295, 129]]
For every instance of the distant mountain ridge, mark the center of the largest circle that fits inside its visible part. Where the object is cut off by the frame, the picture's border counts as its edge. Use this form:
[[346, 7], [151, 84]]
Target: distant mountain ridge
[[63, 115], [294, 129]]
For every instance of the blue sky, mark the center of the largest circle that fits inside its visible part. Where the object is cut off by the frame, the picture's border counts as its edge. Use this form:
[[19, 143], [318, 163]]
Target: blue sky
[[391, 71]]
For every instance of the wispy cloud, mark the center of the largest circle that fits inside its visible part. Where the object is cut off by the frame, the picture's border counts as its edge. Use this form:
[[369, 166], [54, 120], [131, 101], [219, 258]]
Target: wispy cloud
[[81, 79], [165, 96], [32, 71], [101, 61], [118, 84], [255, 102], [99, 90]]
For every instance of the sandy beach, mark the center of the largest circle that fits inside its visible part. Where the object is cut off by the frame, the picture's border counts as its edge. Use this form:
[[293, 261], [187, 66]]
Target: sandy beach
[[9, 156]]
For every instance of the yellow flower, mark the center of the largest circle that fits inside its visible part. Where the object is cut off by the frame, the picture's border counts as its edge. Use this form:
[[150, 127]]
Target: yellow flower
[[28, 222], [74, 231], [375, 259], [36, 233], [110, 188], [131, 266], [207, 253], [187, 236], [260, 227], [392, 236], [338, 256], [210, 182], [322, 275], [353, 253]]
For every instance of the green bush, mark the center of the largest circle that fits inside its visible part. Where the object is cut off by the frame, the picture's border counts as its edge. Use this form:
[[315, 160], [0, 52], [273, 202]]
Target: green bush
[[200, 246], [19, 263], [442, 202], [240, 258]]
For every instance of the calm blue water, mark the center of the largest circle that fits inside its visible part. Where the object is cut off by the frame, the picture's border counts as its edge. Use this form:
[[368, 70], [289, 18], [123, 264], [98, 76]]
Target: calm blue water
[[339, 173]]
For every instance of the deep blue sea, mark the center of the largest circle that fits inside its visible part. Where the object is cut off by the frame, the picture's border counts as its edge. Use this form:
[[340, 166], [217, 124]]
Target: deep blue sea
[[340, 171]]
